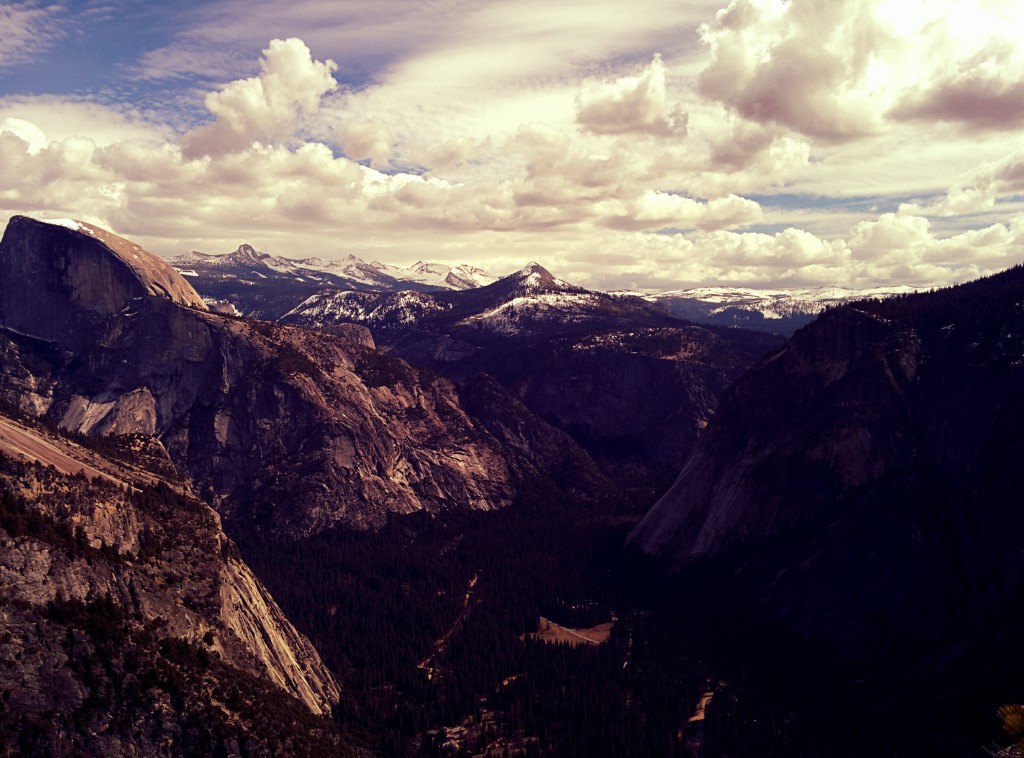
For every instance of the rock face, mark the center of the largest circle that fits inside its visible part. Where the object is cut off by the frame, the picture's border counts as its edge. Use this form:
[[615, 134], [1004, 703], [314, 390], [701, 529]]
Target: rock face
[[275, 425], [60, 280], [865, 479], [628, 382], [132, 627]]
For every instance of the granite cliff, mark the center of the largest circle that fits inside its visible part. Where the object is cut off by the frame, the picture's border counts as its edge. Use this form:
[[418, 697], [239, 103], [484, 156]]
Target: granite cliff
[[130, 624], [274, 425]]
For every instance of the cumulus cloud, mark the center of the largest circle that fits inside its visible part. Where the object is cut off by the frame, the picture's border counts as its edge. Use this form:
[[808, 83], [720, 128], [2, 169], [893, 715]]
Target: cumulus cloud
[[571, 181], [842, 70], [890, 248], [34, 137], [631, 105], [905, 248], [979, 191], [60, 118], [264, 108], [655, 210], [985, 90], [801, 64]]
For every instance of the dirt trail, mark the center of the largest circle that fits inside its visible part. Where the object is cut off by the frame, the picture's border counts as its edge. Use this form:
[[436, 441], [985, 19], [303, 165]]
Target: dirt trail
[[549, 631], [439, 646]]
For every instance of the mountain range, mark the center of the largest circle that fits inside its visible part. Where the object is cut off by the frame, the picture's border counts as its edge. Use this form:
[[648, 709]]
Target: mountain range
[[246, 409], [420, 472], [629, 382], [782, 311], [251, 283]]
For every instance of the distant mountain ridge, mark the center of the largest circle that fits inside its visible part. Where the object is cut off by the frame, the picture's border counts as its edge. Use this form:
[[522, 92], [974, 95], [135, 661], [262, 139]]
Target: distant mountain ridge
[[353, 269], [258, 284], [774, 310], [251, 283]]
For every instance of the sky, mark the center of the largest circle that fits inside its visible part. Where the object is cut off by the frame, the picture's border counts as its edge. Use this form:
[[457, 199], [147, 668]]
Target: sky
[[645, 144]]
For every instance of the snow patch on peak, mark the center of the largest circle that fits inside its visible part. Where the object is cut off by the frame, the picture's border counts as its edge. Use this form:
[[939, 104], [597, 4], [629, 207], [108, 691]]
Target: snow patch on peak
[[67, 223], [517, 315], [247, 253], [532, 268], [534, 276]]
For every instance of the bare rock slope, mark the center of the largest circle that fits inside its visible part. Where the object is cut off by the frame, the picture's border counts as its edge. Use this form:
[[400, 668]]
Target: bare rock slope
[[275, 425], [131, 625]]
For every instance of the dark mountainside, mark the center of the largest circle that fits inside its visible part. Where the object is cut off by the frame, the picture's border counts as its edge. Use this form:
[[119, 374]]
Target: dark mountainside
[[129, 625], [863, 485], [630, 383], [276, 426]]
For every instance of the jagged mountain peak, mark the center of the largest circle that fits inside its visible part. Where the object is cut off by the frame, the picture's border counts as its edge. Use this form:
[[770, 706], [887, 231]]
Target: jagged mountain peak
[[535, 269], [533, 277], [247, 254]]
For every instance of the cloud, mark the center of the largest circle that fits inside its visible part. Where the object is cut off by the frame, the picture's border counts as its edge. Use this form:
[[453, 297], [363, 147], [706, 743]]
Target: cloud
[[888, 249], [979, 191], [59, 118], [28, 29], [655, 210], [843, 70], [575, 156], [631, 105], [801, 64], [364, 139], [33, 136], [985, 90], [905, 247], [264, 108]]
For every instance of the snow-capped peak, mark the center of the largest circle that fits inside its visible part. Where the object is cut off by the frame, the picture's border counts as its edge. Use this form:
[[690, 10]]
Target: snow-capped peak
[[535, 268], [534, 276]]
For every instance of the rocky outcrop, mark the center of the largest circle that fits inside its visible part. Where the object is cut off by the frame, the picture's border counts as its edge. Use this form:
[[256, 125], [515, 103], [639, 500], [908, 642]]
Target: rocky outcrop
[[168, 558], [59, 280], [815, 419], [128, 614]]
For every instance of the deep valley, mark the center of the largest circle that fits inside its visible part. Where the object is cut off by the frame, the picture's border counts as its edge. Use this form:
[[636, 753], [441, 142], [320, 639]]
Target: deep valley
[[495, 516]]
